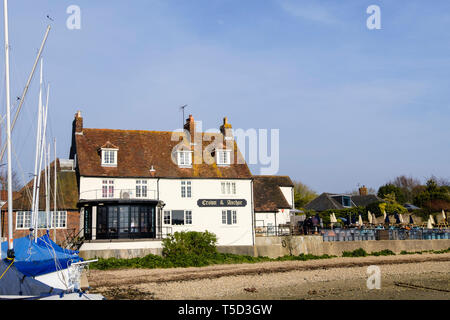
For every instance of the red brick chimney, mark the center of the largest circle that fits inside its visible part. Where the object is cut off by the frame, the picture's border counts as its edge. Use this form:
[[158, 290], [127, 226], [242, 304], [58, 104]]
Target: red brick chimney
[[226, 129], [190, 126], [78, 123], [363, 191]]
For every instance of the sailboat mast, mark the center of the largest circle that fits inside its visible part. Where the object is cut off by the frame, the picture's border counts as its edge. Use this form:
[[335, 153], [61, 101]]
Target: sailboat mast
[[47, 171], [47, 196], [54, 198], [46, 185], [36, 159], [8, 135], [41, 153]]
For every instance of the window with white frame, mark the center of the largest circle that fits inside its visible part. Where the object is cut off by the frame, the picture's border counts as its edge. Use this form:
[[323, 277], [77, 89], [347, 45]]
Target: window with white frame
[[178, 217], [109, 157], [59, 220], [186, 189], [188, 217], [167, 219], [23, 220], [141, 188], [223, 157], [108, 188], [44, 220], [52, 220], [184, 158], [229, 217], [228, 187]]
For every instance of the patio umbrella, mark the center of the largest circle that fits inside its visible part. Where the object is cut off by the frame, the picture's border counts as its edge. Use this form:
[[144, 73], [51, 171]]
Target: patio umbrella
[[431, 219], [386, 220], [443, 215], [374, 219], [411, 221], [397, 219], [429, 224], [401, 218], [384, 214], [333, 218], [369, 216], [360, 221]]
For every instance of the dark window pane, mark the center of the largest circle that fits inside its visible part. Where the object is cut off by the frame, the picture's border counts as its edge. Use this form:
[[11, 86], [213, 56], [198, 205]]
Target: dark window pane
[[134, 219], [177, 217], [124, 219], [113, 219]]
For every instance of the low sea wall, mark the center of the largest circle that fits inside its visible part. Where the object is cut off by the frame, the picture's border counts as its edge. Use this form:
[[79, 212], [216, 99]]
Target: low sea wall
[[274, 247], [119, 249]]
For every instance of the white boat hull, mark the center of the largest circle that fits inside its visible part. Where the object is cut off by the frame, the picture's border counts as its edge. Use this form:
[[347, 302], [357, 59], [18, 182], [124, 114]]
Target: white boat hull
[[57, 279]]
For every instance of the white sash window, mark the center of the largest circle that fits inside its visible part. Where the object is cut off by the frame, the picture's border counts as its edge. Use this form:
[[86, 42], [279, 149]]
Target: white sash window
[[184, 158], [141, 188], [186, 189], [223, 157], [109, 157]]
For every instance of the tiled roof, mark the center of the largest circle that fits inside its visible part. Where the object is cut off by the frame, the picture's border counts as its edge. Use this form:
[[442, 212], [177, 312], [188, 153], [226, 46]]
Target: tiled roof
[[362, 201], [67, 195], [281, 181], [325, 201], [140, 150], [267, 193]]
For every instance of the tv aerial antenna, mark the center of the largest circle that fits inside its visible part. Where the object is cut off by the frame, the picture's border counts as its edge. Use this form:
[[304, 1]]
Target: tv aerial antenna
[[182, 108]]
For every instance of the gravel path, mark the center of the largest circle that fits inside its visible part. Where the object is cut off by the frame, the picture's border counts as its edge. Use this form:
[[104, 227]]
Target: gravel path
[[425, 276]]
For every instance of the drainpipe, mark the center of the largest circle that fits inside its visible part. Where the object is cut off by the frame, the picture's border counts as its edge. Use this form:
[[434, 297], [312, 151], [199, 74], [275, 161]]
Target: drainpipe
[[276, 226], [253, 217], [159, 224]]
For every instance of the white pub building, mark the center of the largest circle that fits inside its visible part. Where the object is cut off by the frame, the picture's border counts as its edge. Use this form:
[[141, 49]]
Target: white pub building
[[135, 187]]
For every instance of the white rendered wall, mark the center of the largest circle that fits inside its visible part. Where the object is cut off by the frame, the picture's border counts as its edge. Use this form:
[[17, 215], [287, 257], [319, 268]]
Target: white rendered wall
[[203, 218], [288, 193], [210, 218], [91, 188]]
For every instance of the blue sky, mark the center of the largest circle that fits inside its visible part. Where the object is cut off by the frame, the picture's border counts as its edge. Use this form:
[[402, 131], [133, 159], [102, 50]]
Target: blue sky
[[353, 105]]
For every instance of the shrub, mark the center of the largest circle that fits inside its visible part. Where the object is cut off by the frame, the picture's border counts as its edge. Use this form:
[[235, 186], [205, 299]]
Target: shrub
[[190, 244], [385, 252], [355, 253]]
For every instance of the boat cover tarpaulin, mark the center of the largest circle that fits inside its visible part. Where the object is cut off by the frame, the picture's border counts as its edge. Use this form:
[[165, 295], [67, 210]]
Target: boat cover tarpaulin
[[15, 283], [41, 257]]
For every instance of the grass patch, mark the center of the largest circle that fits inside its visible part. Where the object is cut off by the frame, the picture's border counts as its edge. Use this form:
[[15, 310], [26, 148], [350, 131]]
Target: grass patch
[[355, 253], [385, 252], [362, 253], [155, 262], [426, 251]]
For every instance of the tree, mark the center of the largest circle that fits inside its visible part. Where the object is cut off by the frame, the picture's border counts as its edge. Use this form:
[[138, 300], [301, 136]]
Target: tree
[[434, 197], [303, 194], [16, 184], [409, 186], [388, 189]]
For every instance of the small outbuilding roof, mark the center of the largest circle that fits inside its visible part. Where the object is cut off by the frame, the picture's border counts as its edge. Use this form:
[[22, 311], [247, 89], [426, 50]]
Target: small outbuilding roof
[[268, 195]]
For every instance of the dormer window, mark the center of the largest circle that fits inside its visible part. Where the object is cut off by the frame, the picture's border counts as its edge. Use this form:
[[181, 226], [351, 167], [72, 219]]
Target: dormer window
[[223, 157], [184, 158], [109, 157], [109, 154]]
